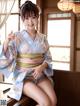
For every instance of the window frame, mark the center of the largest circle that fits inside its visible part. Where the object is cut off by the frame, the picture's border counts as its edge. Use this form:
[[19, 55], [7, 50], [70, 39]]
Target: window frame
[[73, 31]]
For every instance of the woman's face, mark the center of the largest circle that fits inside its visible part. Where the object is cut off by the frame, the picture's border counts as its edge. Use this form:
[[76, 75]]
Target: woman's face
[[30, 22]]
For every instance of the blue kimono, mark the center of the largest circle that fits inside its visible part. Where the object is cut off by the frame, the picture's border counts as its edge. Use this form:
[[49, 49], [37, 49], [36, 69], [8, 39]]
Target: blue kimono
[[23, 44]]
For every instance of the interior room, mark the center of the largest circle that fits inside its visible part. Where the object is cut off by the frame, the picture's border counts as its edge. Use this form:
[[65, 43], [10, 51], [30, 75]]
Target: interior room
[[59, 20]]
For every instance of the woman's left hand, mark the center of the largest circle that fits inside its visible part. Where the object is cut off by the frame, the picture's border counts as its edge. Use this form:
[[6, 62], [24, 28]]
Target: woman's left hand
[[38, 71]]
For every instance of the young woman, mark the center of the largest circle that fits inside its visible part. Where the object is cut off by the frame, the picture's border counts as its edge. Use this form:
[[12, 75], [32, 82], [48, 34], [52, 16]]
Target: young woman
[[28, 51]]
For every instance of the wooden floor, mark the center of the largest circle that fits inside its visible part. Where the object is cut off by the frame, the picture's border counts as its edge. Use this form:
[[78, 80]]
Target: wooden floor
[[25, 101]]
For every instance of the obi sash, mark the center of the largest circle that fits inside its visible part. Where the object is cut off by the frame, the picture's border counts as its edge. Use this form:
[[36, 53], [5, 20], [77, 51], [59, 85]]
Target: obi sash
[[29, 60]]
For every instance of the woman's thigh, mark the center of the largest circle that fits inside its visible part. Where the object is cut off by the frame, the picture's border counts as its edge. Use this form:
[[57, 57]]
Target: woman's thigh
[[47, 86], [31, 90]]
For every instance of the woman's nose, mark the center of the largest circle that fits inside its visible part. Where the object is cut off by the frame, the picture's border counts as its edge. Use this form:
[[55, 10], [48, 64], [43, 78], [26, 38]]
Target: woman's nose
[[30, 20]]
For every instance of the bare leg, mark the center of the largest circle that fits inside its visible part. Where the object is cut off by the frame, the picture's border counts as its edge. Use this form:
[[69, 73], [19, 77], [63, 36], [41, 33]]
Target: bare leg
[[36, 93], [47, 87]]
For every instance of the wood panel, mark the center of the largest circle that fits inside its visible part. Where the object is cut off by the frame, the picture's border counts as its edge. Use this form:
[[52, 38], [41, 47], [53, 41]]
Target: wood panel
[[78, 34], [78, 61]]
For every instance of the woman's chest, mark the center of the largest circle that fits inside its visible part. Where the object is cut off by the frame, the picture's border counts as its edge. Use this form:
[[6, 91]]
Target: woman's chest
[[32, 47]]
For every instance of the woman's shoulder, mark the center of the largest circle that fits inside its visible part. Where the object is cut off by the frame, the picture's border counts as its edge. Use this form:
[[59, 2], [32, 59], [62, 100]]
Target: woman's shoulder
[[19, 37], [42, 35], [18, 33]]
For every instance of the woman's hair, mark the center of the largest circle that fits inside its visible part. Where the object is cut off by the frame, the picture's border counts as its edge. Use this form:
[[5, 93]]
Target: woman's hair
[[29, 8]]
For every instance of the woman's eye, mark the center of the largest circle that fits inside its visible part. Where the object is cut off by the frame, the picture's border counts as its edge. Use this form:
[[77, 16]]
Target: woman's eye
[[34, 17], [26, 18]]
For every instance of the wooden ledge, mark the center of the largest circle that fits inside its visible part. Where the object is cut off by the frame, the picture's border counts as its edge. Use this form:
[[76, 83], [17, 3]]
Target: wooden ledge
[[23, 102]]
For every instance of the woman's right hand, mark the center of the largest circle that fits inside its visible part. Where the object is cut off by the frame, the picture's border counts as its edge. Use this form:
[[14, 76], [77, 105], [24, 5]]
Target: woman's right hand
[[10, 37]]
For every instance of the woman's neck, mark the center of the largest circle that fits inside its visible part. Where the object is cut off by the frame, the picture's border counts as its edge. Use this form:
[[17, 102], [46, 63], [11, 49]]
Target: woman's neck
[[32, 33]]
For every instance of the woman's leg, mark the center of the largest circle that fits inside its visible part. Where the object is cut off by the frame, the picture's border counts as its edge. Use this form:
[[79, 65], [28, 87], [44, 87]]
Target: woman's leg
[[31, 90], [47, 87]]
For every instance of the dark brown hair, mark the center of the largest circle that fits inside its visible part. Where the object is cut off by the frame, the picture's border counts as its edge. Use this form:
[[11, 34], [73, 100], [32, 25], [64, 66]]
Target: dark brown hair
[[29, 8]]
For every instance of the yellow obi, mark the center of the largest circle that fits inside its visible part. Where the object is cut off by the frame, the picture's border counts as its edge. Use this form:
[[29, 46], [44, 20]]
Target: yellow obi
[[29, 60]]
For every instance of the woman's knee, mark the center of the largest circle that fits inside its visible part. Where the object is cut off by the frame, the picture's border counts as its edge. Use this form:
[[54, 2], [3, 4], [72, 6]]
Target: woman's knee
[[49, 102], [46, 102], [54, 101]]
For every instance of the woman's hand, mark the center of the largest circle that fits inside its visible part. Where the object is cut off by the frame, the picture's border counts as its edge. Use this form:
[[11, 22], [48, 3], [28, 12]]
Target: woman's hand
[[10, 37], [39, 70]]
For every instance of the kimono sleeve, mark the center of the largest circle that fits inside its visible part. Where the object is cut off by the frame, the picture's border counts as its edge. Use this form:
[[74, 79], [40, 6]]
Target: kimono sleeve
[[48, 59], [7, 60]]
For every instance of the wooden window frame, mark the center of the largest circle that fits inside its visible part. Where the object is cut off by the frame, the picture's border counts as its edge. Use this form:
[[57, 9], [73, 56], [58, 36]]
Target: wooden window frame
[[73, 33]]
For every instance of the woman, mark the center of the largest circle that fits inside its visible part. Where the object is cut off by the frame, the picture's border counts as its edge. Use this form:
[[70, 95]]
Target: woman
[[28, 51]]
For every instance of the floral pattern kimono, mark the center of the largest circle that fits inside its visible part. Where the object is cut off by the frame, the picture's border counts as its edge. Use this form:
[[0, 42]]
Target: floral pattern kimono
[[13, 58]]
